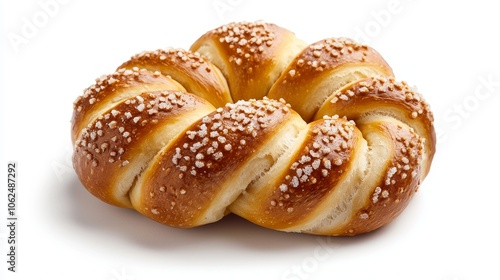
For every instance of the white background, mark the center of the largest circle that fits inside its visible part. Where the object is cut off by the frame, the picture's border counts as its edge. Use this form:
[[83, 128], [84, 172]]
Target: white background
[[50, 53]]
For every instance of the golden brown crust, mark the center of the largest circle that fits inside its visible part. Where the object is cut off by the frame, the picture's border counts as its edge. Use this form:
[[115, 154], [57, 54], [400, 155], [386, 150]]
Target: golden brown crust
[[118, 138], [195, 73], [312, 174], [113, 88], [386, 96], [250, 54], [348, 164], [338, 61], [396, 187], [188, 175]]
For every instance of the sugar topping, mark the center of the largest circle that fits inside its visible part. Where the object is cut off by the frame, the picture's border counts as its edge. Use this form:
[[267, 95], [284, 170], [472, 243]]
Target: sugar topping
[[177, 56], [110, 136], [405, 167], [93, 94], [324, 157], [228, 131], [246, 40], [387, 88], [325, 54]]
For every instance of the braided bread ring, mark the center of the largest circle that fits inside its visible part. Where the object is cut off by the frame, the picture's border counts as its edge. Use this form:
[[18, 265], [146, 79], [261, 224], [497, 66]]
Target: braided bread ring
[[317, 138]]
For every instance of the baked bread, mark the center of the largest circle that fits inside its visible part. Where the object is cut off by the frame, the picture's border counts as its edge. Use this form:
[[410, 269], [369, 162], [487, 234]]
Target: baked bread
[[317, 138]]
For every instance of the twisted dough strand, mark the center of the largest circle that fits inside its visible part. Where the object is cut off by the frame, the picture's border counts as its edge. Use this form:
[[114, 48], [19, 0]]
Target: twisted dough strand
[[186, 137]]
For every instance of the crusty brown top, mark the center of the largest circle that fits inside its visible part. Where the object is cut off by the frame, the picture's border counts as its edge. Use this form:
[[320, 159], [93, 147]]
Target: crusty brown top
[[114, 139], [313, 174], [322, 61], [190, 173], [395, 189], [251, 51], [194, 72], [329, 54], [113, 88], [386, 89], [394, 98]]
